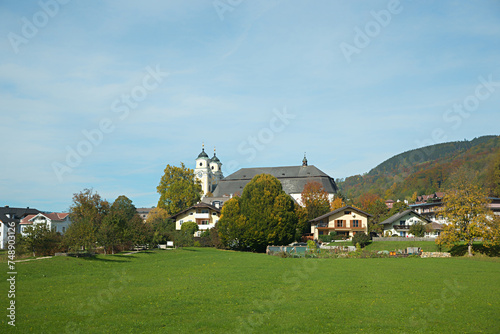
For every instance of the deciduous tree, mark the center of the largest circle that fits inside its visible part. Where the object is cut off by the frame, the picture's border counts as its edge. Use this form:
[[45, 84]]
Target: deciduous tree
[[465, 208], [178, 189], [86, 215], [315, 199]]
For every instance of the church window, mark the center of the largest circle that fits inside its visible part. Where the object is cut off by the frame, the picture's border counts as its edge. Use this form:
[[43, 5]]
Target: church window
[[201, 163]]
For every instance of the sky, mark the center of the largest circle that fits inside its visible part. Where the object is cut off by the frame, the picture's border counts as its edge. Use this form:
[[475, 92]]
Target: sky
[[105, 94]]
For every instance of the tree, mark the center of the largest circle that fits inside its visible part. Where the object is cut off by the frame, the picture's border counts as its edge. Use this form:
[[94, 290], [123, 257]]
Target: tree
[[86, 215], [337, 203], [123, 206], [263, 215], [360, 238], [315, 199], [178, 189], [493, 176], [189, 228], [418, 230], [465, 208], [39, 239]]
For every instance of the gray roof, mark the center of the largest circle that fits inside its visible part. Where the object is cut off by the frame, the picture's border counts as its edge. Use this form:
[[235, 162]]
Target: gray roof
[[398, 216], [292, 178], [15, 213]]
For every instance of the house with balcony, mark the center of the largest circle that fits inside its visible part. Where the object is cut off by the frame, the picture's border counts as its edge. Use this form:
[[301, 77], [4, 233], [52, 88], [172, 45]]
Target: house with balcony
[[203, 214], [346, 221], [58, 222], [400, 224]]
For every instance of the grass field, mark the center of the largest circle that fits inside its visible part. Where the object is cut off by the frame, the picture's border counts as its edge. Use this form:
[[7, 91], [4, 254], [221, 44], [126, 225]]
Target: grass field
[[200, 290]]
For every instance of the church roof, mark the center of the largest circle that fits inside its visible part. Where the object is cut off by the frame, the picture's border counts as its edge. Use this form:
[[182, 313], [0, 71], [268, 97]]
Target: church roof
[[292, 178], [215, 159], [202, 154]]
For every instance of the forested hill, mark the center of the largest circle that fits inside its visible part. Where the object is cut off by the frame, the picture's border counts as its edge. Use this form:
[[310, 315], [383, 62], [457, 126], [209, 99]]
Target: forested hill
[[425, 170]]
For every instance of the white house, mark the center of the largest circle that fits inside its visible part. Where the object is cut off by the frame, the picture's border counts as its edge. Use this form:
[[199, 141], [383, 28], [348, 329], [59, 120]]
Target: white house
[[58, 222], [203, 214], [400, 224]]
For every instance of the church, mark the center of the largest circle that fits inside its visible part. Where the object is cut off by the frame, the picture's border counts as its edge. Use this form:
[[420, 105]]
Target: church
[[293, 179]]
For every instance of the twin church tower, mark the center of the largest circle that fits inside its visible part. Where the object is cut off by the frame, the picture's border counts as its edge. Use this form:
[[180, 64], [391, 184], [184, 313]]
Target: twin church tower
[[208, 171]]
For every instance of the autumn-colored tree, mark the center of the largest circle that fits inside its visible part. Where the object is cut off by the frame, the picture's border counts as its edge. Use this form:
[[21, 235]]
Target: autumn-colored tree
[[263, 215], [414, 197], [315, 199], [337, 203], [465, 209], [493, 176], [86, 215], [374, 205], [178, 189]]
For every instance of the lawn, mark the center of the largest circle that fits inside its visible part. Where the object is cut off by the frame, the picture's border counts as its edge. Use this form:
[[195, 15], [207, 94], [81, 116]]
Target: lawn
[[212, 291]]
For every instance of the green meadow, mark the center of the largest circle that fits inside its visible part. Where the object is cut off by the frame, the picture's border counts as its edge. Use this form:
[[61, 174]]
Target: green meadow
[[202, 290]]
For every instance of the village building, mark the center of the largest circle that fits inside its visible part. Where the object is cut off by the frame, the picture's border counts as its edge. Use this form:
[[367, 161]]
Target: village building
[[12, 216], [346, 221], [203, 214], [58, 222], [400, 224]]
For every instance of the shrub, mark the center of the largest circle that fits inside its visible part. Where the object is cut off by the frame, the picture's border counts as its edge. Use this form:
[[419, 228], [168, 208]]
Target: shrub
[[360, 238]]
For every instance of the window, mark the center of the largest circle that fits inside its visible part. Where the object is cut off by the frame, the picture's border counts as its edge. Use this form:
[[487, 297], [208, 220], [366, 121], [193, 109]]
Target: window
[[181, 221], [214, 213], [355, 223], [402, 234], [204, 222], [347, 212], [339, 223], [64, 229], [402, 222], [191, 213], [201, 164], [204, 211]]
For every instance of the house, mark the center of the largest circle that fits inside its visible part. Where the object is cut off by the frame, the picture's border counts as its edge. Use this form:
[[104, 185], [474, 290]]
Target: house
[[12, 216], [58, 222], [144, 213], [400, 223], [428, 206], [345, 221], [203, 214]]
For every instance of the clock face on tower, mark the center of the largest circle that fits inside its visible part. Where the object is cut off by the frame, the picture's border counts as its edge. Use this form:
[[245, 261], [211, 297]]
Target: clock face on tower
[[200, 174]]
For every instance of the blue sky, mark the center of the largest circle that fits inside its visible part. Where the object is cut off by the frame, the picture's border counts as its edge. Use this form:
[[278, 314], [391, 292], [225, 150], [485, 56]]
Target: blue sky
[[105, 94]]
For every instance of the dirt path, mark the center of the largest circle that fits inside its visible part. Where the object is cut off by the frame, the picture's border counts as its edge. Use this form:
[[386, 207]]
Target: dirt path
[[38, 258]]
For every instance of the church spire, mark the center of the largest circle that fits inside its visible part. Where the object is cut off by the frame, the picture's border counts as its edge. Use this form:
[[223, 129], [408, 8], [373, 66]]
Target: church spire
[[304, 161]]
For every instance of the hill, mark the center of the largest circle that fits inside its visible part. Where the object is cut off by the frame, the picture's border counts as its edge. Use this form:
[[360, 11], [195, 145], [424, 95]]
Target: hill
[[426, 170]]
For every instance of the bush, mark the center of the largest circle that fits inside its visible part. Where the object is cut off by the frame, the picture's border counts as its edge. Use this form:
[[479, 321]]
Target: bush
[[325, 238], [360, 238]]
